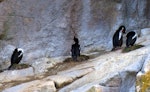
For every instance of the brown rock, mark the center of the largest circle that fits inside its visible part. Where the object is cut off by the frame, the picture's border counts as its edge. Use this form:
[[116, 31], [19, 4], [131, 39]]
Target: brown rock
[[59, 80]]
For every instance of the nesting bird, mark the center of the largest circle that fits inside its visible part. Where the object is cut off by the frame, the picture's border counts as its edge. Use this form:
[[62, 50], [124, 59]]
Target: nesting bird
[[131, 38], [75, 49], [118, 37], [16, 57]]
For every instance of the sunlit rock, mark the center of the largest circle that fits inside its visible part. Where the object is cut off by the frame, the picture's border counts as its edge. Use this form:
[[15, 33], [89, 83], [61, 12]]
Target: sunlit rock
[[59, 80], [5, 56], [41, 65], [9, 75], [33, 86], [99, 88], [145, 31]]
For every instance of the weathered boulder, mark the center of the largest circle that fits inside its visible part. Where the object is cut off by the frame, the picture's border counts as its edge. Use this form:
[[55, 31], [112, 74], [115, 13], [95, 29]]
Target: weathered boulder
[[66, 77], [5, 55], [99, 88], [123, 65], [10, 75], [59, 80], [75, 74], [144, 40], [41, 65], [145, 31], [114, 71], [128, 83], [47, 28], [33, 86], [110, 85], [114, 81]]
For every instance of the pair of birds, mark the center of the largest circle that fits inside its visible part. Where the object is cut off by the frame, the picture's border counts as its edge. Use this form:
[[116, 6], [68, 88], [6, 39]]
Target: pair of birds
[[118, 38]]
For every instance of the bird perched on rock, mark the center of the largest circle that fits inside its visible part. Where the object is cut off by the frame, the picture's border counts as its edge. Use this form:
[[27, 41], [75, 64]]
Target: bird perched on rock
[[131, 38], [75, 49], [118, 37], [16, 57]]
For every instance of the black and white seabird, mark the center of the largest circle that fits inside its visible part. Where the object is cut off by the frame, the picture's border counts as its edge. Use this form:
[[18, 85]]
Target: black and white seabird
[[118, 37], [131, 38], [16, 56]]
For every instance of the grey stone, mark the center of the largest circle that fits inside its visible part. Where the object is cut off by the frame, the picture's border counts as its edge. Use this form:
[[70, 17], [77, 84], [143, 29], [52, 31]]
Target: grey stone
[[144, 40], [145, 31], [128, 81], [46, 29], [115, 81], [41, 65], [76, 73], [33, 86], [60, 80], [99, 88], [112, 71], [110, 65], [10, 75], [5, 56]]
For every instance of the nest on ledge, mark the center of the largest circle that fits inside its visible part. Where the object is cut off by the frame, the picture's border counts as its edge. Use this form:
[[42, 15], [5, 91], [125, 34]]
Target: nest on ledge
[[79, 59], [136, 46], [20, 66]]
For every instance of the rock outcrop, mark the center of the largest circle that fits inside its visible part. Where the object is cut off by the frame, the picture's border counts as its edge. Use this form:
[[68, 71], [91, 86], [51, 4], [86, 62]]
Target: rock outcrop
[[46, 28], [12, 75], [111, 72], [34, 86]]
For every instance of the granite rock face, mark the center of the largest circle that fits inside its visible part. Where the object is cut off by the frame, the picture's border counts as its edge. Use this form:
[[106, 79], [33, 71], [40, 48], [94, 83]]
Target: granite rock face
[[5, 56], [111, 72], [46, 28], [11, 75], [34, 86]]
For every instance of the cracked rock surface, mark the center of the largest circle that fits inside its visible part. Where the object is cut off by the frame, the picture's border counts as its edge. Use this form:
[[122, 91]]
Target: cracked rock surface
[[45, 30], [111, 72]]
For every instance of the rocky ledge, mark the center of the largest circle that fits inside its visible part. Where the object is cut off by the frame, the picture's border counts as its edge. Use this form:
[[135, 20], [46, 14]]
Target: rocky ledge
[[111, 72]]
